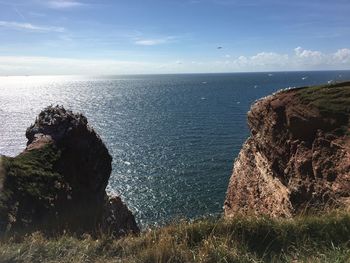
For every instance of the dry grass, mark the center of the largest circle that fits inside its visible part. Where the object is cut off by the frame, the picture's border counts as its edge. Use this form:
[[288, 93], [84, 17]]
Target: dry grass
[[305, 239]]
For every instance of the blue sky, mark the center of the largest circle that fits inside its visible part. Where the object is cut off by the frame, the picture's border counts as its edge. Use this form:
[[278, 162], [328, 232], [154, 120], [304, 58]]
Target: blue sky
[[172, 36]]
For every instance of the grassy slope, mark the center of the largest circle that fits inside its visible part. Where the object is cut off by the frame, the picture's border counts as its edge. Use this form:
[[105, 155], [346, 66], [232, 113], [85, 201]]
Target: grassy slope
[[331, 99], [31, 175], [305, 239]]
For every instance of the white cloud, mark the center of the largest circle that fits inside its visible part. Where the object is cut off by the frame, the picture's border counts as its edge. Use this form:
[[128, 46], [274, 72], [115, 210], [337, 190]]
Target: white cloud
[[342, 56], [154, 42], [309, 57], [297, 59], [242, 60], [63, 4], [261, 60], [268, 59], [149, 42], [300, 59], [30, 27]]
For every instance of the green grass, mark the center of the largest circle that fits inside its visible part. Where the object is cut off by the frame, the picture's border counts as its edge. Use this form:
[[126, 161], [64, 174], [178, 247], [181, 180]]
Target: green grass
[[29, 178], [31, 174], [32, 171], [306, 239], [331, 99]]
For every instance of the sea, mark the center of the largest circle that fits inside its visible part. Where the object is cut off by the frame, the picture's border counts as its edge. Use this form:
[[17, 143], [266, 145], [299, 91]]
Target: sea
[[173, 138]]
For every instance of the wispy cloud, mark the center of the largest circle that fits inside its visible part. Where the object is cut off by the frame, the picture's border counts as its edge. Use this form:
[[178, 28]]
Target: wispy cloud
[[298, 59], [30, 27], [19, 13], [18, 65], [154, 41], [64, 4], [247, 3]]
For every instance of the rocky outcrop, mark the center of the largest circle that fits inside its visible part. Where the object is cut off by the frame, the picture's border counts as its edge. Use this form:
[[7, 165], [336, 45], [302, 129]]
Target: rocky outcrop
[[298, 155], [58, 183]]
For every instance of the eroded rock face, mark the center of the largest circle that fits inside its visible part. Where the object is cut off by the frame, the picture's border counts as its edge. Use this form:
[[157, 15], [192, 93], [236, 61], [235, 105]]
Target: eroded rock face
[[84, 160], [58, 183], [298, 155]]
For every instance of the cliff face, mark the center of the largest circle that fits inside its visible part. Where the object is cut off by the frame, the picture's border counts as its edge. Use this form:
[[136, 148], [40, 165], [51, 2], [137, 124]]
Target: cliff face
[[298, 155], [58, 183]]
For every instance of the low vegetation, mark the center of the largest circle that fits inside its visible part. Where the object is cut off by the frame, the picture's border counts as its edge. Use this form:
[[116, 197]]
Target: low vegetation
[[32, 172], [312, 238], [29, 178], [329, 99]]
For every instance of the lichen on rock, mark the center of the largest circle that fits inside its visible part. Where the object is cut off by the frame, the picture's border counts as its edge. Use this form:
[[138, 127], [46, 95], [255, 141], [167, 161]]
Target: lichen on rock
[[297, 158], [58, 182]]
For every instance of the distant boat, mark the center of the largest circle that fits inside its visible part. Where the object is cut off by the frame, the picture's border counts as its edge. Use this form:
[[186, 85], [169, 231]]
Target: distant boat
[[203, 98], [304, 78], [204, 82], [270, 74]]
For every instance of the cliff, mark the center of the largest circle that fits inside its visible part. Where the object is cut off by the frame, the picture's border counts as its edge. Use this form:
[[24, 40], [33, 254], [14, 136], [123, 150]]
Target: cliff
[[58, 182], [297, 157]]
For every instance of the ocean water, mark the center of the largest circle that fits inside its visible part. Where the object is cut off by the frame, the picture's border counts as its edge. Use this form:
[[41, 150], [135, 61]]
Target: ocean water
[[173, 138]]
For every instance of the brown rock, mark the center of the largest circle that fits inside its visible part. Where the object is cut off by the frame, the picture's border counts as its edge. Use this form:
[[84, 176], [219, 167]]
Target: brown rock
[[117, 218], [297, 157]]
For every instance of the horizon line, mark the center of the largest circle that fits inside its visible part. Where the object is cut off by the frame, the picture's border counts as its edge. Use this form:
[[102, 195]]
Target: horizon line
[[179, 73]]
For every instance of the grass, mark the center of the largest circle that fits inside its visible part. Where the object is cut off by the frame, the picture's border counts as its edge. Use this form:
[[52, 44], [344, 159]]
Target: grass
[[305, 239], [331, 99], [31, 172], [29, 178]]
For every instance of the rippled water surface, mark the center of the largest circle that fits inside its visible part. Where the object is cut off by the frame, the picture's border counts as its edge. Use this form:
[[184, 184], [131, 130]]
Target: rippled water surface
[[173, 138]]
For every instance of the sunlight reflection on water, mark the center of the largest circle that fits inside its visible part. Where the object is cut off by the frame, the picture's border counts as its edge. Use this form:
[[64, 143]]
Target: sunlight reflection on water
[[172, 150]]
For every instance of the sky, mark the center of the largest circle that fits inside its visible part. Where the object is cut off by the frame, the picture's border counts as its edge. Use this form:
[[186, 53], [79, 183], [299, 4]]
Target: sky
[[92, 37]]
